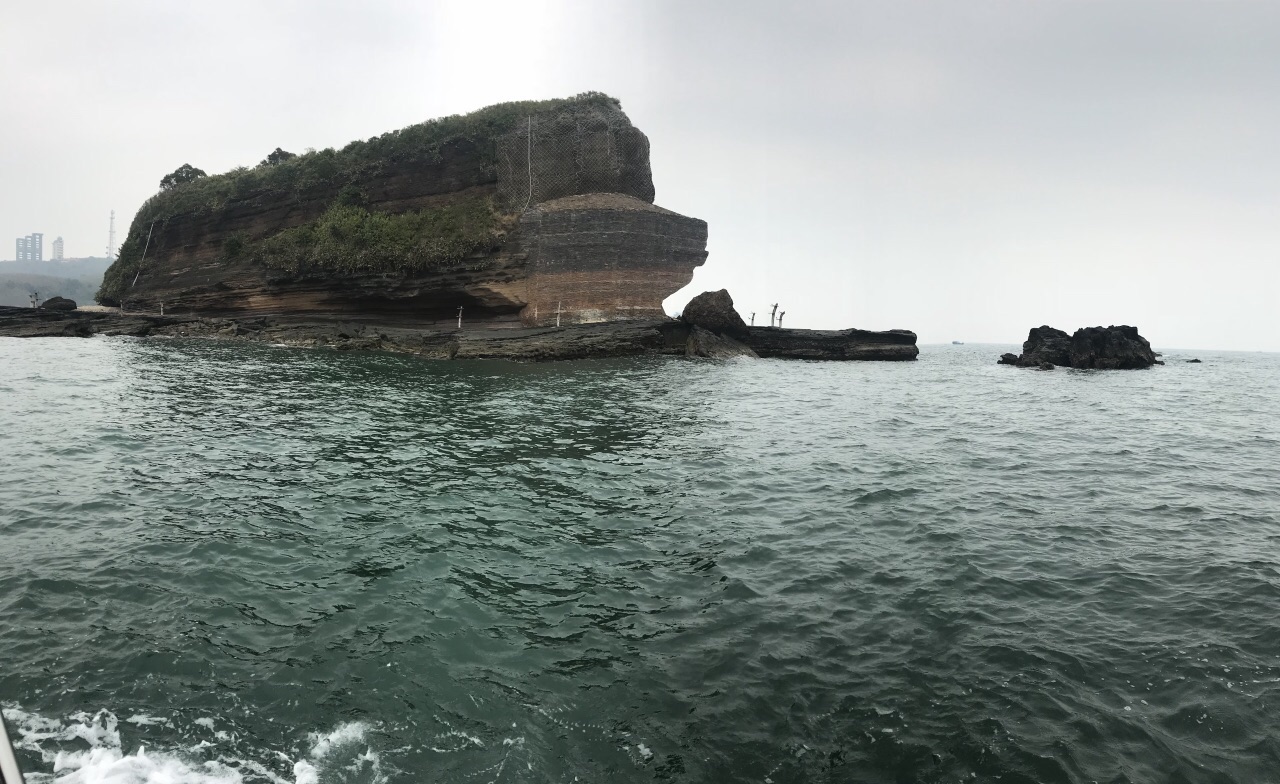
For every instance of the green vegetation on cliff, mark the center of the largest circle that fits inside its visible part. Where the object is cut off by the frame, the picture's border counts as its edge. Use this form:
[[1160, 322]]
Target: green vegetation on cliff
[[350, 238], [378, 241]]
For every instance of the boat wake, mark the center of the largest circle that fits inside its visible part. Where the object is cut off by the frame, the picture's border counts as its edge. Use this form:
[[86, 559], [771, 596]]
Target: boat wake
[[84, 748]]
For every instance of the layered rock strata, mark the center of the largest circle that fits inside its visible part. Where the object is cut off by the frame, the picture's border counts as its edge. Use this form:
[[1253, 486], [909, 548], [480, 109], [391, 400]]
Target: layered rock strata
[[844, 344], [624, 338], [41, 323], [605, 257]]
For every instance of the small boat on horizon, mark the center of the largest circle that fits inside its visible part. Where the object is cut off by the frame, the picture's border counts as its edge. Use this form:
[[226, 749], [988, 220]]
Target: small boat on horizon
[[957, 342]]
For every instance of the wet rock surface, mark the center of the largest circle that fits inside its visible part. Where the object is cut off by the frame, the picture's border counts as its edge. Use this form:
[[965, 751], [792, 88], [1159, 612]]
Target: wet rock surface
[[703, 343]]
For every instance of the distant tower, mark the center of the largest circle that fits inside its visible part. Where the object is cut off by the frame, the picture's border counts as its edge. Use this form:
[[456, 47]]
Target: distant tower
[[57, 249], [111, 237], [31, 248]]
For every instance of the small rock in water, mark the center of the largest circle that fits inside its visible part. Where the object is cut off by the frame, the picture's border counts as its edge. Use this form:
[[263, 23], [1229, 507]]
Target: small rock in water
[[1100, 348]]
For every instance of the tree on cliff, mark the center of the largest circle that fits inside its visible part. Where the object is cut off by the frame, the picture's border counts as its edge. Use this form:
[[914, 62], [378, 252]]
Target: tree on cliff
[[279, 156], [184, 173]]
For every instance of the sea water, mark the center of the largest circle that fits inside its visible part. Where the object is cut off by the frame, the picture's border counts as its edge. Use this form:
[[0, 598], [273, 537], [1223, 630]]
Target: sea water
[[236, 563]]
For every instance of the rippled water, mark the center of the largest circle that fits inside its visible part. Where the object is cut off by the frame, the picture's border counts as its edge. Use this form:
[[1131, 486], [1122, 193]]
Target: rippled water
[[281, 565]]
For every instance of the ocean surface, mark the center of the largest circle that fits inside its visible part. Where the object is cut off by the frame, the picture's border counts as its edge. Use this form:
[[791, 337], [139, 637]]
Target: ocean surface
[[238, 563]]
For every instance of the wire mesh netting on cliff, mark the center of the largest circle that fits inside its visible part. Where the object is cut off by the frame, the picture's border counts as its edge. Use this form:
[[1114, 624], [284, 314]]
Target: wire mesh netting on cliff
[[583, 150]]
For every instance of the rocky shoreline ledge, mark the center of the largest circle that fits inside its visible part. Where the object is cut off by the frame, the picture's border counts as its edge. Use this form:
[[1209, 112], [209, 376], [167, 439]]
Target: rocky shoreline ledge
[[672, 337]]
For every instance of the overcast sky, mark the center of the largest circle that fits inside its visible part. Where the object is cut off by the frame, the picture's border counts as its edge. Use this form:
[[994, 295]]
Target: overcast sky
[[964, 169]]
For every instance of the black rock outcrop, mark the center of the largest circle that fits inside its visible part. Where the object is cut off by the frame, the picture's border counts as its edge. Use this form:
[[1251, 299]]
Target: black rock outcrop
[[1111, 348], [1044, 344], [711, 315], [1100, 348], [836, 344], [714, 312], [58, 303], [41, 323]]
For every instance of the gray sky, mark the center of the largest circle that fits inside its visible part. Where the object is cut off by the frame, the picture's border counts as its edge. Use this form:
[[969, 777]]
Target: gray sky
[[964, 169]]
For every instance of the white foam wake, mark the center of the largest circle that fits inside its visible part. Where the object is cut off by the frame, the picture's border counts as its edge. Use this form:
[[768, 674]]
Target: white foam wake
[[88, 749]]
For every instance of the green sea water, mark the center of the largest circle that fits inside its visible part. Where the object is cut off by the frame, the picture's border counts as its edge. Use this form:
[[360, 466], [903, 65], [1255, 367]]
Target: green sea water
[[239, 563]]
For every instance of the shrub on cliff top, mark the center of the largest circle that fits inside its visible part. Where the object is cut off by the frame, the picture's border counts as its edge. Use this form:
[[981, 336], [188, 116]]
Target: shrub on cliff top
[[277, 156], [180, 176], [357, 160]]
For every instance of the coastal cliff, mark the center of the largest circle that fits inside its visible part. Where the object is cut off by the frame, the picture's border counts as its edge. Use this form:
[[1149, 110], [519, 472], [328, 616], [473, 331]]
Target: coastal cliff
[[522, 214]]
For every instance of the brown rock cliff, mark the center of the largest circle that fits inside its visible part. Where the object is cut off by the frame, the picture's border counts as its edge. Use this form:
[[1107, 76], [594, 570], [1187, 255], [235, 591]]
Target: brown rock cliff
[[511, 213]]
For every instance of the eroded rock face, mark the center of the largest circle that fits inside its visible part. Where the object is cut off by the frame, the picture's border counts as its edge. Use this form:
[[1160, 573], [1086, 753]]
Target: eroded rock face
[[1111, 348], [560, 245], [714, 311], [605, 257], [1045, 344], [590, 149], [1102, 348]]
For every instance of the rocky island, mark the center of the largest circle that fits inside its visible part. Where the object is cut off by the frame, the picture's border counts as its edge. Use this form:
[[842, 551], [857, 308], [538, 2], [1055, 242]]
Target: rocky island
[[522, 230], [1098, 348]]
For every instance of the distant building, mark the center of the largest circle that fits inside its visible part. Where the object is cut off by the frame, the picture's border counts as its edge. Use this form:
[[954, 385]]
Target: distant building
[[57, 249], [31, 248]]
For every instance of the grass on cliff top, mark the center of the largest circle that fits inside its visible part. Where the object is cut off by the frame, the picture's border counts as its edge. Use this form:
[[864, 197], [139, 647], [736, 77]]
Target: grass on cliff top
[[357, 160]]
